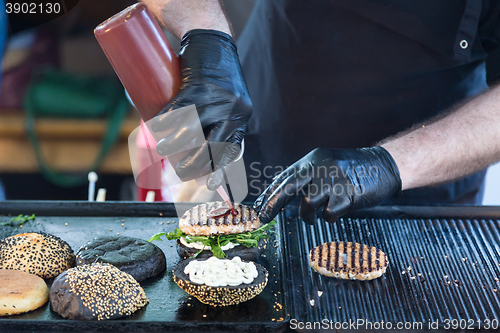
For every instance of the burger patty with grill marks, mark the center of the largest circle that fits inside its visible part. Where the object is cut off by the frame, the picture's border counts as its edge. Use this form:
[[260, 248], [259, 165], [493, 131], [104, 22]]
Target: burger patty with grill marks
[[197, 220], [346, 260]]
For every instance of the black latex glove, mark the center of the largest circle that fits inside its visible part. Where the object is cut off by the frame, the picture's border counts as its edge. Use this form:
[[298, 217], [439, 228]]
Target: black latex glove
[[212, 79], [337, 180]]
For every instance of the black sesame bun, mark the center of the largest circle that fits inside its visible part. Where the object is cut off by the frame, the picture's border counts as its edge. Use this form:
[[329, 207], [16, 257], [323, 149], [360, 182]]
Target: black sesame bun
[[96, 292], [41, 254], [220, 296], [134, 256], [245, 253]]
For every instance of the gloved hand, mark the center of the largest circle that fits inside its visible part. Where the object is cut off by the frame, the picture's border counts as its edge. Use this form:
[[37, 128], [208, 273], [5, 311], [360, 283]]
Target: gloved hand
[[340, 180], [212, 79]]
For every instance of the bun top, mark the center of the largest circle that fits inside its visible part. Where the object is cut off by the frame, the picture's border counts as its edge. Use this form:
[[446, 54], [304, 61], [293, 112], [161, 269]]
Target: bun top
[[21, 292], [197, 220], [18, 284], [41, 254], [103, 290], [116, 250]]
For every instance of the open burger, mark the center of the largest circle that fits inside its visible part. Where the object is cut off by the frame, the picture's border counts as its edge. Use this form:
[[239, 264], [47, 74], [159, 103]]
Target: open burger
[[221, 282], [202, 234]]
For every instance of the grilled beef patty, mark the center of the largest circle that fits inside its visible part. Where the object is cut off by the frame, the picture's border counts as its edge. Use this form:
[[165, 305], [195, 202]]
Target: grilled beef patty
[[197, 220], [346, 260]]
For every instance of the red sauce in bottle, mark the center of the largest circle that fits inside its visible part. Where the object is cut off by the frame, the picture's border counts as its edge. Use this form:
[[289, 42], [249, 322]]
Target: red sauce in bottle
[[148, 68], [141, 57]]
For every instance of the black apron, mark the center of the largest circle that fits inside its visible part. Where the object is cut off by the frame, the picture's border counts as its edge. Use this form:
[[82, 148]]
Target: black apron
[[349, 73]]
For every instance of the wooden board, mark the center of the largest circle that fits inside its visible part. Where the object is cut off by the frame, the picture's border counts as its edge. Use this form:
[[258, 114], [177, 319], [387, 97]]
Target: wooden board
[[67, 144]]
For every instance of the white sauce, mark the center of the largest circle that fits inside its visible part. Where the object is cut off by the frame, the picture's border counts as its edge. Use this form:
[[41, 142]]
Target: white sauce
[[215, 272], [199, 245]]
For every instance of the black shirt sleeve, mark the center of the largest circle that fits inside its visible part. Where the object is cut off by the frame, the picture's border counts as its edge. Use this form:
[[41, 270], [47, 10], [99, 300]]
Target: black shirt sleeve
[[489, 33]]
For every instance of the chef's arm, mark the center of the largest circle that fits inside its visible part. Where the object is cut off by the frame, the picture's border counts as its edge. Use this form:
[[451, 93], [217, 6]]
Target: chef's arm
[[337, 181], [465, 141], [180, 16]]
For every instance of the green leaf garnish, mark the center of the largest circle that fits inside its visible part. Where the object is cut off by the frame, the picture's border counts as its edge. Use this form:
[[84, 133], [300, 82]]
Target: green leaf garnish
[[157, 237], [248, 239], [21, 218]]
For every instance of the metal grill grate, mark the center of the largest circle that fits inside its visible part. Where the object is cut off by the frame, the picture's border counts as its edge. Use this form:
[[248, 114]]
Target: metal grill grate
[[438, 269]]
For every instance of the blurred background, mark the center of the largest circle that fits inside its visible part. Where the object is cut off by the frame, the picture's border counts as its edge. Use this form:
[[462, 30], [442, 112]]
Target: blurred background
[[51, 132]]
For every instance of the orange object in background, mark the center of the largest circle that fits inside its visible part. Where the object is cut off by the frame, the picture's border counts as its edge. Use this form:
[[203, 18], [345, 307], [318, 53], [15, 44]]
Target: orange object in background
[[146, 65]]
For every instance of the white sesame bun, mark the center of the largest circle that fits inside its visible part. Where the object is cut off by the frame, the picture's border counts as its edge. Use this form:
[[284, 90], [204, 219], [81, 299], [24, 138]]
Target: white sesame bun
[[21, 292]]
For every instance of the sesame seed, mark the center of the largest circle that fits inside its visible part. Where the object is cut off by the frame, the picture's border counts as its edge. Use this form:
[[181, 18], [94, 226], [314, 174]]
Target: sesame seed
[[86, 281]]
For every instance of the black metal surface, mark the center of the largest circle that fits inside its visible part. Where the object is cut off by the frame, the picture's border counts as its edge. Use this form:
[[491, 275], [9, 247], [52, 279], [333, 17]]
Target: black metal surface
[[170, 308], [442, 269], [85, 208]]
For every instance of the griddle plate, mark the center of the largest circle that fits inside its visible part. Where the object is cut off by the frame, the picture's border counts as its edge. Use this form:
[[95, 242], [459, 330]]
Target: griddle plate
[[438, 269], [169, 308]]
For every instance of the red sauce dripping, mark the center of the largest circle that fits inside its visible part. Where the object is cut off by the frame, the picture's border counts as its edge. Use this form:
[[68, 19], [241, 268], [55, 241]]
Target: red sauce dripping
[[222, 212]]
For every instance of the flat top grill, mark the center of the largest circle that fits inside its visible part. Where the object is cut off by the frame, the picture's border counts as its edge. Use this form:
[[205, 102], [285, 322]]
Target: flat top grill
[[170, 308], [441, 269]]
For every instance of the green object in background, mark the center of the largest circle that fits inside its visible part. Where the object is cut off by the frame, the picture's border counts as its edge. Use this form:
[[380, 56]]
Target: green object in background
[[61, 95]]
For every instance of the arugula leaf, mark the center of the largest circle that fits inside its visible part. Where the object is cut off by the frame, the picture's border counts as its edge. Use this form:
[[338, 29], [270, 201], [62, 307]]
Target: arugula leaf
[[248, 239], [196, 254], [22, 218], [175, 235], [157, 237], [216, 248]]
